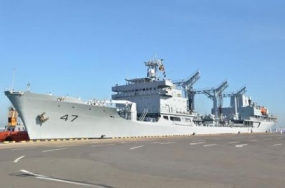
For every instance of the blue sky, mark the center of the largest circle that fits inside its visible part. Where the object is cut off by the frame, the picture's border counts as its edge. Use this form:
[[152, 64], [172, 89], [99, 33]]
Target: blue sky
[[84, 47]]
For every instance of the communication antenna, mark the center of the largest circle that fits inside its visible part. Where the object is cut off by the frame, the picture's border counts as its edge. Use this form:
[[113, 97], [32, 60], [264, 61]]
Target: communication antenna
[[13, 78], [28, 87]]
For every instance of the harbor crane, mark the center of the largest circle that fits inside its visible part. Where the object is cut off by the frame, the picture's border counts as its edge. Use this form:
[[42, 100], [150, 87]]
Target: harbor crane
[[187, 86]]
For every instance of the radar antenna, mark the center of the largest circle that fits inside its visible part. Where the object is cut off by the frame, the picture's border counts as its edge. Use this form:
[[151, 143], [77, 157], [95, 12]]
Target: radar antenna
[[153, 66]]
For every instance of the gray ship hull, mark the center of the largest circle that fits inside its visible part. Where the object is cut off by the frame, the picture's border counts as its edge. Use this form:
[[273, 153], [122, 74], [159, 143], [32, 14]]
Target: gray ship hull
[[71, 118]]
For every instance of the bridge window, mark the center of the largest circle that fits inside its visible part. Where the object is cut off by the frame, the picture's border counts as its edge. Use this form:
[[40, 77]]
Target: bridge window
[[175, 118], [187, 119]]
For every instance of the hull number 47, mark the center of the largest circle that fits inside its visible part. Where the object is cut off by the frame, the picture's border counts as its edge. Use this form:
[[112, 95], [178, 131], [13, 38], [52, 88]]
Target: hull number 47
[[66, 117]]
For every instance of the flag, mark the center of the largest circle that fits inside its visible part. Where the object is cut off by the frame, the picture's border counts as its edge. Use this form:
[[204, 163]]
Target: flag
[[161, 68]]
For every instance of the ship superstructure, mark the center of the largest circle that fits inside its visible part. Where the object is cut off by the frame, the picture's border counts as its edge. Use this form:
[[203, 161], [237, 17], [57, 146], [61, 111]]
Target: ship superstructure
[[243, 110], [153, 95], [148, 106]]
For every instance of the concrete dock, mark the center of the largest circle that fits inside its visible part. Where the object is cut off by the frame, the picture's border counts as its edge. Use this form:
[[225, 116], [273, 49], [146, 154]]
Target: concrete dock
[[224, 161]]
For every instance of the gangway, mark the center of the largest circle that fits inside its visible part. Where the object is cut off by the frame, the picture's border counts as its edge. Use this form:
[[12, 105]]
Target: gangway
[[145, 111]]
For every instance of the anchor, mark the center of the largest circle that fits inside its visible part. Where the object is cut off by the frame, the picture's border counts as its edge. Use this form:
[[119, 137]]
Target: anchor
[[42, 118]]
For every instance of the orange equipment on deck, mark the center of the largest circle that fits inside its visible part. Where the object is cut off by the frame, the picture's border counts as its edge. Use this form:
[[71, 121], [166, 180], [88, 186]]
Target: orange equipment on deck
[[263, 111]]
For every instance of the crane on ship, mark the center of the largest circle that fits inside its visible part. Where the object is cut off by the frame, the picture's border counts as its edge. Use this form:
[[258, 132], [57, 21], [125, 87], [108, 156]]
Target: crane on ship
[[235, 95], [187, 86], [216, 94]]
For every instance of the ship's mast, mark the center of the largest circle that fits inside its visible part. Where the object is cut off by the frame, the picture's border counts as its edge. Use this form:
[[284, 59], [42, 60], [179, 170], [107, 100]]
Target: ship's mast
[[153, 66]]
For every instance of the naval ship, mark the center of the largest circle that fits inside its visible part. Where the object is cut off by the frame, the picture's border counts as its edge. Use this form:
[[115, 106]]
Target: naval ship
[[147, 106]]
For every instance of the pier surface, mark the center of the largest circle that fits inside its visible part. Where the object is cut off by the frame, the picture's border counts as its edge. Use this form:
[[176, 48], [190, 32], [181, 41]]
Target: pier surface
[[225, 161]]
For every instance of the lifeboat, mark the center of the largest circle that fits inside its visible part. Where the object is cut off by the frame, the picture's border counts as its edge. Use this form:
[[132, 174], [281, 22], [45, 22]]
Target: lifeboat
[[14, 131], [263, 111]]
